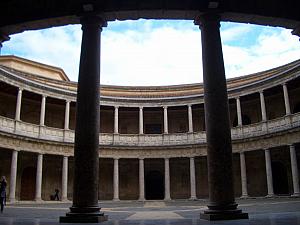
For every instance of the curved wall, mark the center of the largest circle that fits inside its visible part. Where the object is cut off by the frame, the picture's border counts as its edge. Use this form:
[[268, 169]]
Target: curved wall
[[150, 135]]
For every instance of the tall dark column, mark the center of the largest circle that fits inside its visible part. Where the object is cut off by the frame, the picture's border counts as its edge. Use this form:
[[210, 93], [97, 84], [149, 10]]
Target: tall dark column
[[219, 151], [85, 208]]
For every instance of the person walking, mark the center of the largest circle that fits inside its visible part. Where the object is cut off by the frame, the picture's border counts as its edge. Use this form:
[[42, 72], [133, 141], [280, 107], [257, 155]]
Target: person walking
[[3, 184]]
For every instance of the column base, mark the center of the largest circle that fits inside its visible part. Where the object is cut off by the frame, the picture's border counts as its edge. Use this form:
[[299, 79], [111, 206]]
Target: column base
[[244, 196], [296, 195], [270, 196], [83, 218], [236, 214]]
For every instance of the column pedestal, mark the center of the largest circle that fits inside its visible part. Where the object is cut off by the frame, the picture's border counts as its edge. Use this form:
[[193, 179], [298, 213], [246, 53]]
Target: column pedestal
[[222, 204], [85, 208]]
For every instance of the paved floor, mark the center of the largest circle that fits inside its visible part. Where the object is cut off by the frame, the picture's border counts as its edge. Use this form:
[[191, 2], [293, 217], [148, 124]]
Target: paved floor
[[279, 211]]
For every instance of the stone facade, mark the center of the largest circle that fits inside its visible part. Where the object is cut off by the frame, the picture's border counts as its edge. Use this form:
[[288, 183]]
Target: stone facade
[[151, 138]]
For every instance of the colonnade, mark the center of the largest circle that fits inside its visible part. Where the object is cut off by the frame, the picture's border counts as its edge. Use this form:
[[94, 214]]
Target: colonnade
[[167, 186], [141, 111], [222, 204]]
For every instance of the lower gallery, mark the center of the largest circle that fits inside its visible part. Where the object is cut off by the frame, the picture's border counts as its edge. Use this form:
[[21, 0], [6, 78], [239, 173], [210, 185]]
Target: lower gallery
[[152, 139]]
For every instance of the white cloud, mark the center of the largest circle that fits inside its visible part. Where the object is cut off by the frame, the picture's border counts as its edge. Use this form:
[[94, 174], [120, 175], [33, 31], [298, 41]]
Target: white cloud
[[151, 58], [144, 52], [271, 49]]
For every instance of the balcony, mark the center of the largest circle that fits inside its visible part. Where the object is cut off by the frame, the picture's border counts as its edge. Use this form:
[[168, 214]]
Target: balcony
[[45, 133]]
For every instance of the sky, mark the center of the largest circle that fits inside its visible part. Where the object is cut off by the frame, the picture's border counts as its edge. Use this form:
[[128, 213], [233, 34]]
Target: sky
[[158, 52]]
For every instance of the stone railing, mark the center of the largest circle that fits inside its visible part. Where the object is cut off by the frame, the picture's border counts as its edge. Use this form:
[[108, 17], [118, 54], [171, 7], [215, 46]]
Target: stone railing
[[21, 128]]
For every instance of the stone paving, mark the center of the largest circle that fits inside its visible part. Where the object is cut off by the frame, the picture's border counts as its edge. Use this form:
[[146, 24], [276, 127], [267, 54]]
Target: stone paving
[[277, 211]]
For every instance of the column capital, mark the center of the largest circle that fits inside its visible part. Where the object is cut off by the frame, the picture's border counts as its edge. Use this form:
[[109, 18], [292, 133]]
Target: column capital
[[237, 97], [141, 107], [165, 107], [141, 158], [91, 19], [20, 89], [44, 96], [116, 106], [210, 17], [261, 91], [190, 105], [68, 101]]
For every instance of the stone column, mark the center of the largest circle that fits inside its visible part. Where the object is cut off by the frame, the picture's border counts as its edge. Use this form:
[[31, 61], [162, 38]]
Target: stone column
[[263, 106], [222, 204], [286, 100], [141, 180], [167, 179], [166, 129], [243, 175], [141, 121], [116, 123], [43, 108], [18, 106], [116, 180], [190, 116], [67, 115], [13, 176], [85, 208], [64, 179], [39, 176], [295, 174], [193, 178], [269, 173], [239, 111]]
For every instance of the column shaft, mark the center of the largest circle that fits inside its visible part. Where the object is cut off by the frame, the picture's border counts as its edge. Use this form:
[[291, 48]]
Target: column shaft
[[43, 108], [218, 133], [243, 175], [190, 118], [193, 178], [67, 115], [13, 176], [64, 179], [166, 129], [39, 176], [141, 121], [263, 106], [239, 111], [116, 180], [269, 173], [85, 206], [19, 104], [286, 100], [141, 180], [167, 179], [116, 121], [295, 174]]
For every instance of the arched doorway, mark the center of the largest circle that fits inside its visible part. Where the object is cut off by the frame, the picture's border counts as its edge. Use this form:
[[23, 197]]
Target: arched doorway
[[154, 185], [28, 184], [280, 178]]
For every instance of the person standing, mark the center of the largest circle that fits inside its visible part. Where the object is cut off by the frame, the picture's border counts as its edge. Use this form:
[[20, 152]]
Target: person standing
[[3, 184]]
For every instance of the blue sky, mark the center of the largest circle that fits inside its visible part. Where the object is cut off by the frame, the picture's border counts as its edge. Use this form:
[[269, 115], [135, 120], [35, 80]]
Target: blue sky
[[158, 52]]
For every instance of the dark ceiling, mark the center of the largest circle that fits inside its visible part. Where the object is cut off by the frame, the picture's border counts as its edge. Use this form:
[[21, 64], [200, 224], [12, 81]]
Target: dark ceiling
[[19, 15]]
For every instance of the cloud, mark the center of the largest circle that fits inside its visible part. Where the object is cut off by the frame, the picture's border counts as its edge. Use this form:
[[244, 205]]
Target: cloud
[[151, 52], [273, 47]]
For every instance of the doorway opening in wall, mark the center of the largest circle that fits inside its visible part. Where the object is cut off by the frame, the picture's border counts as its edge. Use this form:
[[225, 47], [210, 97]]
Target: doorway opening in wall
[[280, 179], [28, 183], [154, 189]]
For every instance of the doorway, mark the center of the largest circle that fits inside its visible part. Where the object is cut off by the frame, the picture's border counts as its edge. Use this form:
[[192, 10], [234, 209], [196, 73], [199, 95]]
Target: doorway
[[154, 185], [280, 178], [28, 184]]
